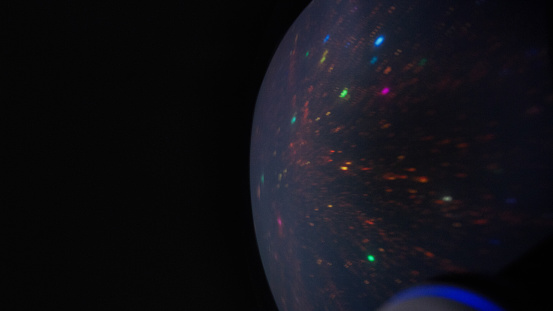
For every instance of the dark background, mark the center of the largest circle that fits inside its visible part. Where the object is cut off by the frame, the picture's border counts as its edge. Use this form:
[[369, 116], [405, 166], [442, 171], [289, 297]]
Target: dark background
[[130, 174]]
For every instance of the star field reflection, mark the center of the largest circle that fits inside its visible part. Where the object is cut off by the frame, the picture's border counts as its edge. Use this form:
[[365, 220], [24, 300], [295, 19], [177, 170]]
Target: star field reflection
[[393, 142]]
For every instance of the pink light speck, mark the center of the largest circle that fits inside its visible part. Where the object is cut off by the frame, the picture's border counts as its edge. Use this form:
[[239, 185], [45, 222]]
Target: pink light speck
[[385, 91], [279, 221]]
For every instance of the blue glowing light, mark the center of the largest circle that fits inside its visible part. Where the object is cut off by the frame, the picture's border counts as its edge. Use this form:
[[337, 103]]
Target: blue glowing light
[[373, 60], [326, 38], [379, 41], [457, 294]]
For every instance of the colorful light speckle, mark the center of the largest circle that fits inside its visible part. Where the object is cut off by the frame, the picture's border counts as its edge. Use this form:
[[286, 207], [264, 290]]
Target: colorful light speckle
[[293, 120], [326, 38], [373, 60], [385, 91], [379, 41], [344, 93], [370, 258], [324, 56]]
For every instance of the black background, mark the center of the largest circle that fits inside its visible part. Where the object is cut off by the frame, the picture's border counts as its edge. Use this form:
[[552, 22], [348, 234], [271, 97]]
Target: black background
[[131, 172]]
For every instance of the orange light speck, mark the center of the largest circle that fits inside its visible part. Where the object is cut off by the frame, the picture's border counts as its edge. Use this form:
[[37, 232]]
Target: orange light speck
[[421, 179], [344, 168]]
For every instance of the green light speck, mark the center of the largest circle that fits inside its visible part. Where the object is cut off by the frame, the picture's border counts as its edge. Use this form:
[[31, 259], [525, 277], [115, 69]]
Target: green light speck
[[293, 120], [344, 93], [262, 178], [370, 258], [306, 53]]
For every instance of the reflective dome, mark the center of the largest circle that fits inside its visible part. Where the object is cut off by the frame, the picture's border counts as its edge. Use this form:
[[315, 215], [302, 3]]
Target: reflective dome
[[394, 141]]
